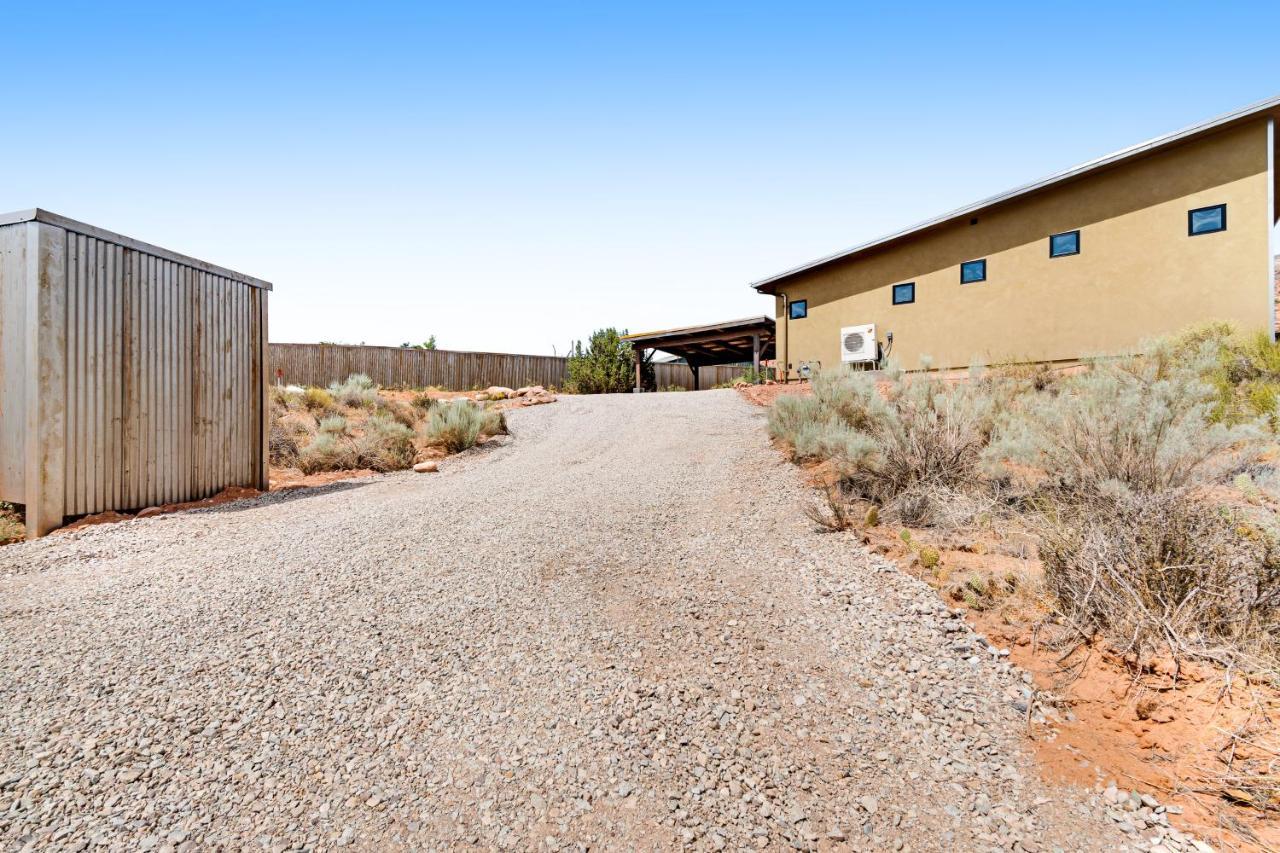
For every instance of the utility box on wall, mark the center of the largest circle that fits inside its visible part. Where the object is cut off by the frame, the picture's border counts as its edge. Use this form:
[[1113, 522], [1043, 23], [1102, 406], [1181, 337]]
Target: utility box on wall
[[130, 376]]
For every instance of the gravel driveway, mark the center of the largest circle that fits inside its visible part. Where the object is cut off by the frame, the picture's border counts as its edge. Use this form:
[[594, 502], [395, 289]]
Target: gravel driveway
[[618, 631]]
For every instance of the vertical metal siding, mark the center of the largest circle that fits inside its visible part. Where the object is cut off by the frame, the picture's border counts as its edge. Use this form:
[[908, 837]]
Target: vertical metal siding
[[13, 345], [164, 391]]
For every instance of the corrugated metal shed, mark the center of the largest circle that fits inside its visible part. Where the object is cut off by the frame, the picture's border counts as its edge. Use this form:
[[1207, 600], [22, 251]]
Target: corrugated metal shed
[[130, 375]]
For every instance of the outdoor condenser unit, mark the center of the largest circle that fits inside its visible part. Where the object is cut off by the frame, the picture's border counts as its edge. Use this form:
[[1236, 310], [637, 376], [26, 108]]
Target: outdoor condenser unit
[[858, 344]]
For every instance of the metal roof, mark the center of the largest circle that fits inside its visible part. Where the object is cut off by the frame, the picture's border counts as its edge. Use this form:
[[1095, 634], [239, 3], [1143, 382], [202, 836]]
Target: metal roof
[[39, 215], [1150, 145], [728, 325], [716, 343]]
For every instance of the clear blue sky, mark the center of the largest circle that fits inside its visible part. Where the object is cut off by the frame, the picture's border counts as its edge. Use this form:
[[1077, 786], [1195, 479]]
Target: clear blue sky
[[507, 177]]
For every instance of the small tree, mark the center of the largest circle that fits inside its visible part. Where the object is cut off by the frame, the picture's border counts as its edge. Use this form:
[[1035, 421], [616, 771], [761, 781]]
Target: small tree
[[605, 366], [429, 343]]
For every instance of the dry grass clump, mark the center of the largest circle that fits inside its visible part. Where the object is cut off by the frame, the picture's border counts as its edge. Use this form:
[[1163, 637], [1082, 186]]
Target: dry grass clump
[[458, 425], [282, 445], [11, 526], [317, 400]]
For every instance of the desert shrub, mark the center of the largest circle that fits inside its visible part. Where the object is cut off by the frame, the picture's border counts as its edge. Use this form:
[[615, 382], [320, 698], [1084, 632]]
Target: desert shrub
[[1164, 572], [357, 392], [402, 414], [284, 397], [835, 512], [423, 401], [458, 425], [282, 446], [1024, 376], [605, 366], [673, 388], [1247, 380], [1145, 422], [317, 400], [913, 447], [789, 414], [328, 452], [385, 445], [1134, 544], [333, 425]]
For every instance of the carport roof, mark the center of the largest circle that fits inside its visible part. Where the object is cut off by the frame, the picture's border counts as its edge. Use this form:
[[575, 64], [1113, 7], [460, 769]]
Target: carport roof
[[717, 343]]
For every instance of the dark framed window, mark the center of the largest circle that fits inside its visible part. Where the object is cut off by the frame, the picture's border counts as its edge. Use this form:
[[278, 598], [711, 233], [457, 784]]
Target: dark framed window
[[971, 271], [1066, 243], [1207, 220], [904, 294], [799, 309]]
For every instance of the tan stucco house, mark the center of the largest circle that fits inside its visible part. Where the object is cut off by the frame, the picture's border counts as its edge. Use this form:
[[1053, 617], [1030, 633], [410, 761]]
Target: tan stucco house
[[1090, 261]]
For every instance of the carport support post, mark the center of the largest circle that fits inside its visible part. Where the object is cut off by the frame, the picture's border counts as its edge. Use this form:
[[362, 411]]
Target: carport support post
[[639, 351], [755, 356], [694, 368]]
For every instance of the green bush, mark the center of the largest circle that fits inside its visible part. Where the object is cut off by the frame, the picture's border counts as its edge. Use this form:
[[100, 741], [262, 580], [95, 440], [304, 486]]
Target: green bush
[[357, 392], [458, 425], [605, 366]]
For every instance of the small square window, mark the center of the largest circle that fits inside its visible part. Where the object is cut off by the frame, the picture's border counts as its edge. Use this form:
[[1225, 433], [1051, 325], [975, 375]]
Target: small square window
[[1207, 220], [904, 294], [799, 309], [971, 271], [1067, 243]]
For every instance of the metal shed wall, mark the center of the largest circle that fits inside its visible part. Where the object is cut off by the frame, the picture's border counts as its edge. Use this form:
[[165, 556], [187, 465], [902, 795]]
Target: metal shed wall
[[139, 375]]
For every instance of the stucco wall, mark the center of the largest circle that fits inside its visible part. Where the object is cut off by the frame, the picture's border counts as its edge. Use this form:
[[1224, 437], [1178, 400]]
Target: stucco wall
[[1138, 274]]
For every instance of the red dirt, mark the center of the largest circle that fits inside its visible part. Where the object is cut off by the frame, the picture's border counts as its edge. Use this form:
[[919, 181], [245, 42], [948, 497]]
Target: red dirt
[[1141, 729], [764, 395], [227, 495]]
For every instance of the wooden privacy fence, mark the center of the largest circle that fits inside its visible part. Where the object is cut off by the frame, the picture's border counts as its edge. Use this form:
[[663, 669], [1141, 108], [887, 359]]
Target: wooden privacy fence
[[400, 367], [709, 376]]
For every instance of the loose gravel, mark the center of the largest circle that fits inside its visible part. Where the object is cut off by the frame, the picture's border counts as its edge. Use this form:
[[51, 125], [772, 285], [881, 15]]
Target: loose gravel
[[617, 631]]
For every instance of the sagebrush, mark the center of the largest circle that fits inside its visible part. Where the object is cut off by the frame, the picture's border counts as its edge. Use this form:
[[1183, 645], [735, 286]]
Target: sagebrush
[[458, 425]]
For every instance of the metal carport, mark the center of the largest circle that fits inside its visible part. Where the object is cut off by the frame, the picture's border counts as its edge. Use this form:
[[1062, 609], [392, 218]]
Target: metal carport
[[731, 342]]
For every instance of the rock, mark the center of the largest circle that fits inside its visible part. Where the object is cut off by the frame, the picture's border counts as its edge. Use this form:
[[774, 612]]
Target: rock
[[150, 512], [530, 391], [428, 467], [869, 804], [497, 392]]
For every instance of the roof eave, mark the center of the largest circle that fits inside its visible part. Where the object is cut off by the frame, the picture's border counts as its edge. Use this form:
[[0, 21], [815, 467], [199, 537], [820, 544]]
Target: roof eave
[[1150, 145]]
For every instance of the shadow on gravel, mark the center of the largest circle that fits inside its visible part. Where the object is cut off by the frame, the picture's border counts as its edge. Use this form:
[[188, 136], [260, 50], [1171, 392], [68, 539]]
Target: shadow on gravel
[[289, 495]]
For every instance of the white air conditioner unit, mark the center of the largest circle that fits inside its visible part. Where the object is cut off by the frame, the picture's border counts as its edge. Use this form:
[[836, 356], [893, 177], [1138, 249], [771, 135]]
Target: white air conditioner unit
[[858, 344]]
